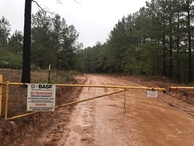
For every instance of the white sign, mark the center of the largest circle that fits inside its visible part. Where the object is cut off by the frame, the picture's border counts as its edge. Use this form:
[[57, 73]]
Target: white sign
[[41, 97], [152, 93]]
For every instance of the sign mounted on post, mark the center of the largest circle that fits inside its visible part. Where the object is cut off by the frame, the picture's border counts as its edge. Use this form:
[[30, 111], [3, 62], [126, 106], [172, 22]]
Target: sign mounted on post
[[152, 94], [41, 97]]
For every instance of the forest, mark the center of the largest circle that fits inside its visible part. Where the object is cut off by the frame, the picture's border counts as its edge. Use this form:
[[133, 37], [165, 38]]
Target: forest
[[53, 42], [155, 41]]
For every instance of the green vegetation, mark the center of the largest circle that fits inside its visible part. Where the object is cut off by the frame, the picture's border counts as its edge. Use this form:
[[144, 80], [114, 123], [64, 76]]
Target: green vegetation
[[56, 77], [155, 41], [53, 42]]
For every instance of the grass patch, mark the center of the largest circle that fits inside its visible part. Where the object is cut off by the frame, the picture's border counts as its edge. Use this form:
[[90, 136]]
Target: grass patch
[[56, 77]]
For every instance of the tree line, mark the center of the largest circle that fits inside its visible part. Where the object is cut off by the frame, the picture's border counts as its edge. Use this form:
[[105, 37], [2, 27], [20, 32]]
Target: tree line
[[155, 41], [53, 42], [10, 46]]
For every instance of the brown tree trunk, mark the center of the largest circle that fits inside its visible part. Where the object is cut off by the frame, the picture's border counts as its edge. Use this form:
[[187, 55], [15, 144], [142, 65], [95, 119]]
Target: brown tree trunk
[[189, 47], [178, 48], [164, 52]]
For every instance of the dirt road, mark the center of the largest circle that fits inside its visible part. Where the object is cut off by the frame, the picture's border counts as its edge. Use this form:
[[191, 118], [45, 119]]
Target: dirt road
[[105, 121]]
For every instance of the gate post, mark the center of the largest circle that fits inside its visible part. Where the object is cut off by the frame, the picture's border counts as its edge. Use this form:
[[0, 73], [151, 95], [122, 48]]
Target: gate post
[[1, 92], [6, 99]]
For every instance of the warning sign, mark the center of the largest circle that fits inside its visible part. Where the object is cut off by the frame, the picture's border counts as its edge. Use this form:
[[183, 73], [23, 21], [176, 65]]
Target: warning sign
[[41, 97], [152, 93]]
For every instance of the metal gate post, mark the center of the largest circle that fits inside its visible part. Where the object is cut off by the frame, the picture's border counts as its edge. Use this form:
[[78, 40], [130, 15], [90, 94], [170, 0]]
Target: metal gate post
[[1, 92], [6, 100]]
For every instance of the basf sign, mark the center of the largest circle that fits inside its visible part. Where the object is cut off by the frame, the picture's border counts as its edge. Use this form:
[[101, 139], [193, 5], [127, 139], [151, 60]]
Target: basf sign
[[41, 97]]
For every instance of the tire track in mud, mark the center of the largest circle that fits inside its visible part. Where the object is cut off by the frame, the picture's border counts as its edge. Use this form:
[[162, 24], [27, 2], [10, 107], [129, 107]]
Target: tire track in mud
[[83, 120], [104, 122], [113, 126], [92, 125]]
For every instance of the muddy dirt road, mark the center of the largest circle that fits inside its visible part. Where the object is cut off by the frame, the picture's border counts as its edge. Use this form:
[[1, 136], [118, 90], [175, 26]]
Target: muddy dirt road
[[105, 121]]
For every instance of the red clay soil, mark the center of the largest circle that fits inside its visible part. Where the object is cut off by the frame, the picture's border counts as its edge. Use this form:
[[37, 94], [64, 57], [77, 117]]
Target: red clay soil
[[123, 119]]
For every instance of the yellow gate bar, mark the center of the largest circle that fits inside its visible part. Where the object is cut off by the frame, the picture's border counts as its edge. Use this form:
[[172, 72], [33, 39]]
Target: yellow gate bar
[[99, 86], [188, 88], [23, 115], [84, 100], [109, 86], [1, 92]]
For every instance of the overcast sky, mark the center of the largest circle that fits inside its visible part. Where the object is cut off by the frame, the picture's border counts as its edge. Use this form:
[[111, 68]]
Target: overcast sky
[[93, 19]]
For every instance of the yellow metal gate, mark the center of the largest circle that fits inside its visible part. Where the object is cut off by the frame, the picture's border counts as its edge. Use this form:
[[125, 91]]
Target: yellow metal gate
[[5, 94]]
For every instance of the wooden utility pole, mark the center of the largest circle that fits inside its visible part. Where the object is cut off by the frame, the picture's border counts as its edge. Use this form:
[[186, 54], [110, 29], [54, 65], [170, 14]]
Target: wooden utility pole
[[27, 43]]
